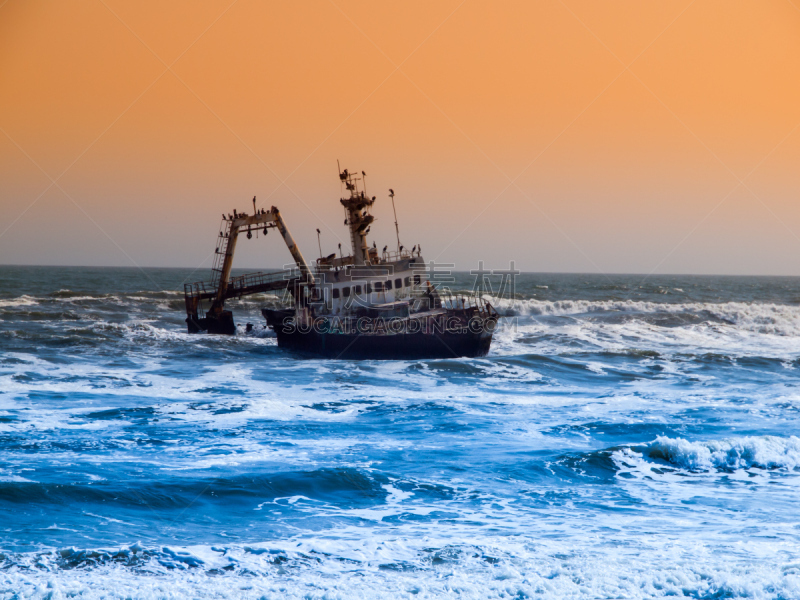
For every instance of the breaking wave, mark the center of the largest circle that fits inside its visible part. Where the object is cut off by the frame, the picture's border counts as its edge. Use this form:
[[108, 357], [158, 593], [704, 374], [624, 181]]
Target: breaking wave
[[20, 301], [779, 319], [764, 452]]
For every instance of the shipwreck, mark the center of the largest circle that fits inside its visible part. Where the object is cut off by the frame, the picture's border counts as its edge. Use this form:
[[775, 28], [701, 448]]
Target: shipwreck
[[368, 304]]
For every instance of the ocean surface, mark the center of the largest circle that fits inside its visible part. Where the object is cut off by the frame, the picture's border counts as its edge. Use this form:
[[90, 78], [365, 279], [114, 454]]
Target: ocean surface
[[627, 437]]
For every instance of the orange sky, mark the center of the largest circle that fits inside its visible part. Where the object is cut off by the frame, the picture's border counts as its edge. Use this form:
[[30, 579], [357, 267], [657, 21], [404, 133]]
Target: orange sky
[[508, 130]]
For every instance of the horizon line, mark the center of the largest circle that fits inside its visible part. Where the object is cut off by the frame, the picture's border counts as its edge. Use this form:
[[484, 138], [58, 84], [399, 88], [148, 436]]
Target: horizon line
[[581, 273]]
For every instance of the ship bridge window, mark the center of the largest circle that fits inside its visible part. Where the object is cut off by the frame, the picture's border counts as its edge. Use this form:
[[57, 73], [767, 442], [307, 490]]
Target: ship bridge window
[[417, 279], [346, 291], [408, 281], [358, 290], [398, 283], [335, 292], [389, 285], [378, 286], [369, 288]]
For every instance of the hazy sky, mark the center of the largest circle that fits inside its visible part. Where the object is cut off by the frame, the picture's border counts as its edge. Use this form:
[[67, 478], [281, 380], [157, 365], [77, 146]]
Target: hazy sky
[[620, 136]]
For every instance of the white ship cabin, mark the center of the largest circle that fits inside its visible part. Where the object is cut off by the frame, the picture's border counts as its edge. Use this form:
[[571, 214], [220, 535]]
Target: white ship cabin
[[367, 279], [345, 291]]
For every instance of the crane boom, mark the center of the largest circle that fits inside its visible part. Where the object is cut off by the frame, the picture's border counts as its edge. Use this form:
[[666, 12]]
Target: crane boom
[[217, 319], [264, 218]]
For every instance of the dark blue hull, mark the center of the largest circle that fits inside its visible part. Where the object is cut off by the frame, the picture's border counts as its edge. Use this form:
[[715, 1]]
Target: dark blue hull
[[428, 342]]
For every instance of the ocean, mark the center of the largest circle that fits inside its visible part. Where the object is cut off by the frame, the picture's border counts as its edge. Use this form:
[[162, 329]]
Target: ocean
[[626, 437]]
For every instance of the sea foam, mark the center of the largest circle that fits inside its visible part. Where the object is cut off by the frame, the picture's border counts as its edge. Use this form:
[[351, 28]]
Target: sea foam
[[391, 569]]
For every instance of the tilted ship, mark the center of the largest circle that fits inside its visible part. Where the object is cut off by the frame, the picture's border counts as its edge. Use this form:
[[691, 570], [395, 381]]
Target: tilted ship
[[370, 304]]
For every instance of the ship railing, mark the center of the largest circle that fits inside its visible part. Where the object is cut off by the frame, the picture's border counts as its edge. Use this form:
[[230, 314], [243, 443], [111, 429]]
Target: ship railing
[[275, 280], [195, 293], [251, 283], [199, 290], [393, 255]]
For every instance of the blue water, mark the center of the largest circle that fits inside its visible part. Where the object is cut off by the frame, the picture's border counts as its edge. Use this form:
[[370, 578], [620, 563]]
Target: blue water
[[625, 438]]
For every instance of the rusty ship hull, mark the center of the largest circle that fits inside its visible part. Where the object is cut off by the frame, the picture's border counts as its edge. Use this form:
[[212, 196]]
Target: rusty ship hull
[[436, 335]]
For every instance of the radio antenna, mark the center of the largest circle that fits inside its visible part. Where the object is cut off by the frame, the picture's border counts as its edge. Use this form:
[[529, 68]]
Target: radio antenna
[[396, 227]]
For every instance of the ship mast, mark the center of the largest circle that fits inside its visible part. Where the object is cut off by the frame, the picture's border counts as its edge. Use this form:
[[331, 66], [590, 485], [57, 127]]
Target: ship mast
[[358, 217]]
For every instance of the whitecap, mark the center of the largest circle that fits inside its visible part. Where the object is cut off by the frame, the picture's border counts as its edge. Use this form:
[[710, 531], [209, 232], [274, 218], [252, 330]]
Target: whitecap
[[20, 301], [766, 452], [778, 319]]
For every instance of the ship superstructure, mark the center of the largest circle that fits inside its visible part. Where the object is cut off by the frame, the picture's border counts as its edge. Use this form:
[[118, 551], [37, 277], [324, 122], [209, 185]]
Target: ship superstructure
[[369, 304]]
